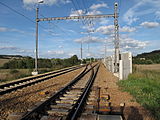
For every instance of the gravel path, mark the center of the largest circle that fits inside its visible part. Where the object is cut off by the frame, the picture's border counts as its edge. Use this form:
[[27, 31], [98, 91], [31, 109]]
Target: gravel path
[[107, 82], [21, 100]]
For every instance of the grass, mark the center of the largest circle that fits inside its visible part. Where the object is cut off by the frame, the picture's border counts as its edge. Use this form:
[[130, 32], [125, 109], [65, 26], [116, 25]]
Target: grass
[[2, 61], [144, 85], [13, 74]]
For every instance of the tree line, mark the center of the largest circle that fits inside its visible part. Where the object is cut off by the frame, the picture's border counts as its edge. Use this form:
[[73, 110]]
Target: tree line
[[28, 63], [147, 58]]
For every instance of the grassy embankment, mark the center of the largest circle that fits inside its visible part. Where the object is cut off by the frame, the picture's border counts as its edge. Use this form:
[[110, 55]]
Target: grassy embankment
[[2, 61], [13, 74], [144, 85]]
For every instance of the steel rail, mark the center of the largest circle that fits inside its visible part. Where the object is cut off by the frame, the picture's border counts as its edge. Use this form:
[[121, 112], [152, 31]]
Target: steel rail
[[33, 80], [78, 107], [34, 113]]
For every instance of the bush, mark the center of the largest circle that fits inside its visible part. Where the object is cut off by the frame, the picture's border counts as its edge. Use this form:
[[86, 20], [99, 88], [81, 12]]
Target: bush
[[13, 71], [43, 71]]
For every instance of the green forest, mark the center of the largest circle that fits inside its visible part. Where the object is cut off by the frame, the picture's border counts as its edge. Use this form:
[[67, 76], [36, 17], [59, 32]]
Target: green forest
[[28, 63], [147, 58]]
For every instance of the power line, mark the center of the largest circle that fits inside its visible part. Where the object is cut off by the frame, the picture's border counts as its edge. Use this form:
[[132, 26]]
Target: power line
[[84, 6], [17, 12], [56, 26], [84, 22], [26, 17]]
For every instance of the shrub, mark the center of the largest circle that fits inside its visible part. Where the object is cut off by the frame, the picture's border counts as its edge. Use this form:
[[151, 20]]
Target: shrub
[[13, 71]]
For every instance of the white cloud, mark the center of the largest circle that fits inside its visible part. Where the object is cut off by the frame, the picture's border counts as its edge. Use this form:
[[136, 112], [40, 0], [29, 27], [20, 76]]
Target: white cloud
[[127, 29], [104, 21], [94, 12], [107, 49], [3, 29], [30, 1], [16, 50], [97, 6], [47, 2], [89, 40], [157, 13], [106, 29], [71, 54], [109, 30], [81, 12], [139, 9], [150, 24], [30, 4], [127, 43], [8, 48], [60, 46], [77, 13], [58, 52]]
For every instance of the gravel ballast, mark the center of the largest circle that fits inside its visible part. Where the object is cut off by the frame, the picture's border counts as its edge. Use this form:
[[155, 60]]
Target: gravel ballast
[[22, 99]]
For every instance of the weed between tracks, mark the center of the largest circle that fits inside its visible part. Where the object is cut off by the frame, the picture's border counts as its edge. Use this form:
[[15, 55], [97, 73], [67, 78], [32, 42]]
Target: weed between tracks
[[144, 85]]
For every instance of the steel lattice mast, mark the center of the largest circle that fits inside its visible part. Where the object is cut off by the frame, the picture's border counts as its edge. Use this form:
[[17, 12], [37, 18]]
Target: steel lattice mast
[[116, 39]]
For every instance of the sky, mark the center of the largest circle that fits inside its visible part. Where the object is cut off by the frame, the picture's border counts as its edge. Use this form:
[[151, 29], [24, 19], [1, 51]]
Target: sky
[[139, 27]]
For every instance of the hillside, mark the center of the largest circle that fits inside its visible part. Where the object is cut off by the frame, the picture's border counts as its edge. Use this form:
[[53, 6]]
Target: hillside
[[147, 58], [10, 56]]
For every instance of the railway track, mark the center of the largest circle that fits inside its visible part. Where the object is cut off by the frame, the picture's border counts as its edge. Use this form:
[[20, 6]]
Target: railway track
[[67, 103], [28, 81]]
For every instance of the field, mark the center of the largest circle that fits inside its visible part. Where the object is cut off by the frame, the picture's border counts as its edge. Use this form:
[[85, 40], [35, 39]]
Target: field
[[12, 74], [148, 67], [16, 68], [144, 85], [2, 61]]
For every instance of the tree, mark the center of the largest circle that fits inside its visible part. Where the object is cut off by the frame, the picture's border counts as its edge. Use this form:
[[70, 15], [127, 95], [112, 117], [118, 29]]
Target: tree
[[74, 60]]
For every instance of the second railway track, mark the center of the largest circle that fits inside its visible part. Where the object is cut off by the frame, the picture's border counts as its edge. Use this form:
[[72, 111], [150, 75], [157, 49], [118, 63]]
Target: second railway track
[[28, 81], [67, 103]]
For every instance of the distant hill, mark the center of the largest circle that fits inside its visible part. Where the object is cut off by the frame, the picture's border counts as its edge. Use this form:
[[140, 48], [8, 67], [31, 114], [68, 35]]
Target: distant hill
[[10, 56], [147, 58], [13, 56]]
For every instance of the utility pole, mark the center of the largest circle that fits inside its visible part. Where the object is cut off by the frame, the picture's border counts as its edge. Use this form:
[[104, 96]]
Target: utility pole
[[81, 53], [89, 54], [35, 72], [105, 52], [36, 55], [116, 42]]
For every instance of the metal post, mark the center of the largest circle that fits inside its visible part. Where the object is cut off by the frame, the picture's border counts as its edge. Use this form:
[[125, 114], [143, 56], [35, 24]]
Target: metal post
[[116, 42], [36, 50], [81, 53], [89, 54], [105, 52]]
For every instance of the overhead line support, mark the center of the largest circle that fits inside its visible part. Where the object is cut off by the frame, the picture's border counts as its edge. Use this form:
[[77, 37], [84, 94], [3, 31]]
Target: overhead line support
[[116, 32], [76, 17]]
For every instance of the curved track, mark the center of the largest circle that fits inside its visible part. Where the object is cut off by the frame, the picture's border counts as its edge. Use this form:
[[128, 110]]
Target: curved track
[[71, 99]]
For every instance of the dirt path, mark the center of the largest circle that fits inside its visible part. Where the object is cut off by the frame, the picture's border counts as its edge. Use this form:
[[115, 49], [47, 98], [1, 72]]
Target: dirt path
[[133, 110]]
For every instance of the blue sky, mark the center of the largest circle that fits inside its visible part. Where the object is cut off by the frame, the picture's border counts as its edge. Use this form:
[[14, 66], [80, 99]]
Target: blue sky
[[138, 21]]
